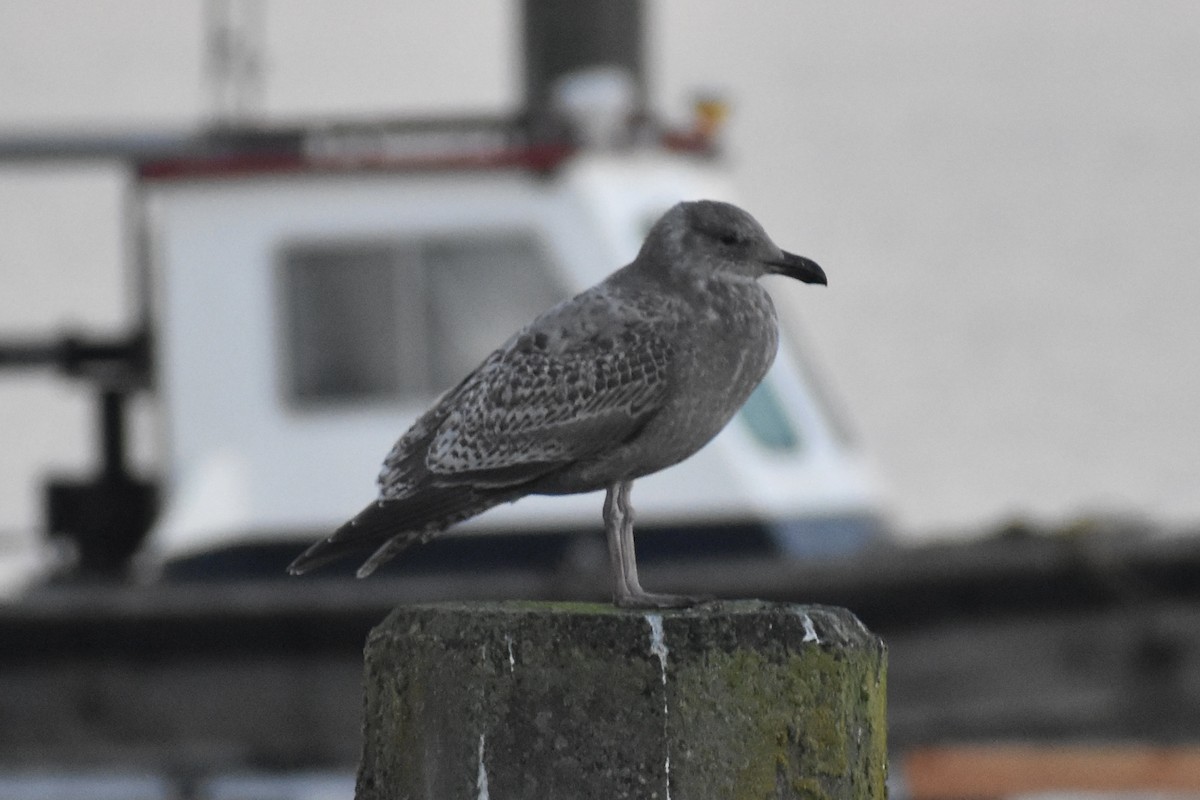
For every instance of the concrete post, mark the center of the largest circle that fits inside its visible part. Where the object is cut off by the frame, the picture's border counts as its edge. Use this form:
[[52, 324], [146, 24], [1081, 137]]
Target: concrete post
[[541, 701]]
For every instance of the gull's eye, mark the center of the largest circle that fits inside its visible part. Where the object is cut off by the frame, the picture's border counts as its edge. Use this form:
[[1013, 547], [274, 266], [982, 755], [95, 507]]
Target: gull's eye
[[729, 239]]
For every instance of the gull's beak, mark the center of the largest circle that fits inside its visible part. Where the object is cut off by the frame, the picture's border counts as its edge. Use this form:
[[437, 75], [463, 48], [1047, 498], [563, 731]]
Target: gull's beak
[[798, 267]]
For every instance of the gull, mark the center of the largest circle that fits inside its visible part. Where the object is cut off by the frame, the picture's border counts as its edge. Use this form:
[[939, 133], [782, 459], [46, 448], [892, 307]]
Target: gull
[[625, 379]]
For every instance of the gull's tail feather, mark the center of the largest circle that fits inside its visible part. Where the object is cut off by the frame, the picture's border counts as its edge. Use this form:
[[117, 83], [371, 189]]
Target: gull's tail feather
[[389, 526]]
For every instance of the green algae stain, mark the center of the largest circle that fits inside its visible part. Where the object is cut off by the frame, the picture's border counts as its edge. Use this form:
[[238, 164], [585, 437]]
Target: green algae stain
[[874, 687], [775, 728]]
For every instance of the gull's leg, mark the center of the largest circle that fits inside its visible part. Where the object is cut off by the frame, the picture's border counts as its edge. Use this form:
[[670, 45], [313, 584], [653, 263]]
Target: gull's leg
[[614, 523], [627, 590]]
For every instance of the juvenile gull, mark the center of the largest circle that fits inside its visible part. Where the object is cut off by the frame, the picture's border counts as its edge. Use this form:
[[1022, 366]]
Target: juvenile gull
[[629, 377]]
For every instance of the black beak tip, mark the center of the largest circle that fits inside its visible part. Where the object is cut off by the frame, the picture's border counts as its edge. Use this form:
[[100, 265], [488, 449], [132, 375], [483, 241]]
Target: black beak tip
[[802, 269]]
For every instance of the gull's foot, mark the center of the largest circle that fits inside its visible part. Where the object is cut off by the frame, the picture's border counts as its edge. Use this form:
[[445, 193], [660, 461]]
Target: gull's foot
[[640, 599]]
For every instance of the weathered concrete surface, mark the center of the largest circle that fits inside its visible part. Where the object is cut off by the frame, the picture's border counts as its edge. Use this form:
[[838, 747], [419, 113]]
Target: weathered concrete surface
[[540, 701]]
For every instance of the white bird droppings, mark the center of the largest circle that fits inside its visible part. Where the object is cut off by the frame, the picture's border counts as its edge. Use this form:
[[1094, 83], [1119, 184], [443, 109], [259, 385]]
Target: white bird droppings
[[658, 644], [481, 779], [658, 648], [810, 631]]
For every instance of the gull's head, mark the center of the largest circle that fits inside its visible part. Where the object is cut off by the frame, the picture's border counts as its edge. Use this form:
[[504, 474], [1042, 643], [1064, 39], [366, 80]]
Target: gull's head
[[709, 239]]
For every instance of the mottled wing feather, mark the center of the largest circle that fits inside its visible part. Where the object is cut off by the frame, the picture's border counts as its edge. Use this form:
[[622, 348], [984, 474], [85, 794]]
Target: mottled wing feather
[[539, 408], [404, 468], [538, 403]]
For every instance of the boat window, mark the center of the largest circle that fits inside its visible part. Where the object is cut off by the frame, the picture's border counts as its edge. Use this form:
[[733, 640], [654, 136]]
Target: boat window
[[767, 421], [342, 323], [481, 291], [371, 321]]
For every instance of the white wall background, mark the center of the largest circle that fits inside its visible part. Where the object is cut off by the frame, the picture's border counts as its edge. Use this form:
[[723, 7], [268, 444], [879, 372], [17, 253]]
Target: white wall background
[[1006, 197]]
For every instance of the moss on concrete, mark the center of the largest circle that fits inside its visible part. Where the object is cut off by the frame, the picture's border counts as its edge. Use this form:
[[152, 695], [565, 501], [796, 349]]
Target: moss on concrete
[[572, 700]]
